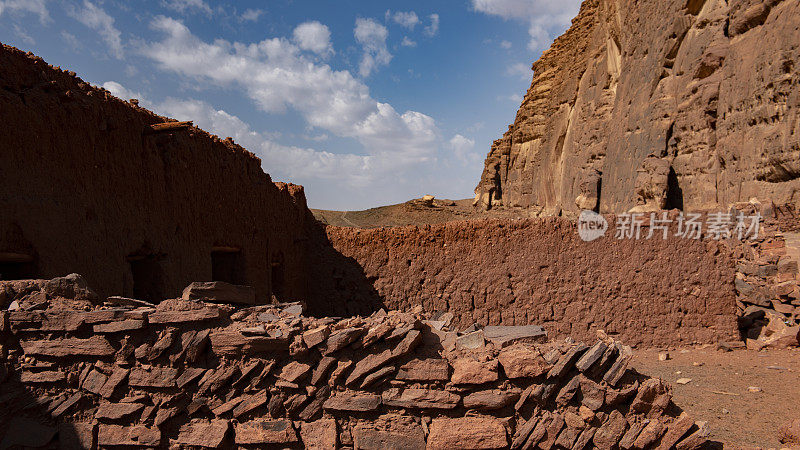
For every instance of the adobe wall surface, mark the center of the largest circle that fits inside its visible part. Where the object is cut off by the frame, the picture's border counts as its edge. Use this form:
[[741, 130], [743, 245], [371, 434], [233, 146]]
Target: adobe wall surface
[[647, 292], [84, 185]]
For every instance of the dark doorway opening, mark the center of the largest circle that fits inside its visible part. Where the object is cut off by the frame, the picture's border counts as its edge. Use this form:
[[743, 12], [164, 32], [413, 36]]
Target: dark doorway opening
[[277, 277], [599, 192], [674, 191], [17, 266], [148, 277], [227, 264]]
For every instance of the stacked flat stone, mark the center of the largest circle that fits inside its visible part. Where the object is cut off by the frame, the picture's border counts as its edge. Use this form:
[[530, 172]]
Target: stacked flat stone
[[768, 290], [192, 374]]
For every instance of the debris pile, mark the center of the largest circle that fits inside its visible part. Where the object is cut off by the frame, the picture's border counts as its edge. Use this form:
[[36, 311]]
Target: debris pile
[[768, 290], [192, 373]]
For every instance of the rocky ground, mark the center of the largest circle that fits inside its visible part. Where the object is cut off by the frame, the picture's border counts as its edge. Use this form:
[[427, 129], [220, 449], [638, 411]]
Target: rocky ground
[[412, 212], [744, 395], [186, 373]]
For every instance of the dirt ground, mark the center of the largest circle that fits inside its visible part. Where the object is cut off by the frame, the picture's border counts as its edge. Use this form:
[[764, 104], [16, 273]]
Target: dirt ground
[[412, 213], [719, 390]]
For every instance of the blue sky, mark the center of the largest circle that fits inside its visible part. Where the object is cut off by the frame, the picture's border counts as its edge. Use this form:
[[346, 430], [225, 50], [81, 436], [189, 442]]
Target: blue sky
[[364, 103]]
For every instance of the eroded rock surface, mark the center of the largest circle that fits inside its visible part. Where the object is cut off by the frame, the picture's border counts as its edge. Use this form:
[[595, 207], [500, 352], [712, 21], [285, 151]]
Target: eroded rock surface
[[670, 104]]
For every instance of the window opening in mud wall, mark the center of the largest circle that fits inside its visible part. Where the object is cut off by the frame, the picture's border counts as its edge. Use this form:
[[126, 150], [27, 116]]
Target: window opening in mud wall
[[17, 266], [227, 264], [18, 258], [277, 277], [148, 276]]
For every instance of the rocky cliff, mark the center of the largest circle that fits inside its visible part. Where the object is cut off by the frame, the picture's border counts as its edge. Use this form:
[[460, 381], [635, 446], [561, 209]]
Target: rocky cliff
[[689, 104]]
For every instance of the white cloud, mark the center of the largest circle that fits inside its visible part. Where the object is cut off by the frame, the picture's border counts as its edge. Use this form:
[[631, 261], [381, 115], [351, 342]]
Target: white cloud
[[37, 7], [505, 44], [372, 37], [544, 17], [520, 70], [70, 40], [251, 15], [514, 98], [283, 161], [406, 19], [277, 75], [183, 6], [97, 19], [408, 42], [315, 37], [433, 28], [319, 138], [463, 148], [507, 9], [26, 38], [477, 126], [121, 92], [333, 180]]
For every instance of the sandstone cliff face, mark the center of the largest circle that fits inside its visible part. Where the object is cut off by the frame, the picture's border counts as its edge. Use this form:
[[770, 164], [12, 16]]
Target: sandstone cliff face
[[689, 104]]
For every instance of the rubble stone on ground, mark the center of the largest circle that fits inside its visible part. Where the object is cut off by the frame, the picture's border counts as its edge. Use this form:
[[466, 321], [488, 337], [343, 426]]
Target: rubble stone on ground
[[206, 375]]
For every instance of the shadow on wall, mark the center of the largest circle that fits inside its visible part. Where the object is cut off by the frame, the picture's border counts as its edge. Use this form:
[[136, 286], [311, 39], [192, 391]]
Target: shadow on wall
[[31, 422], [337, 284], [18, 258], [147, 274]]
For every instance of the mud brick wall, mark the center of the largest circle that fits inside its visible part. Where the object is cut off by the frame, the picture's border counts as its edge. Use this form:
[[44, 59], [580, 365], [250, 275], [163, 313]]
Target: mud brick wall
[[516, 272], [86, 186], [190, 374]]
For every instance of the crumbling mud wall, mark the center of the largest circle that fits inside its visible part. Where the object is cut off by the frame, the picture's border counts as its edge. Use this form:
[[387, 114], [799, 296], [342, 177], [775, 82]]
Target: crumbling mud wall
[[187, 374], [539, 271], [652, 104], [88, 185]]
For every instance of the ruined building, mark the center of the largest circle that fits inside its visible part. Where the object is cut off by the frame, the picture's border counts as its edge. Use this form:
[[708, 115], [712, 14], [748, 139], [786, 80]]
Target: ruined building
[[140, 207], [480, 345]]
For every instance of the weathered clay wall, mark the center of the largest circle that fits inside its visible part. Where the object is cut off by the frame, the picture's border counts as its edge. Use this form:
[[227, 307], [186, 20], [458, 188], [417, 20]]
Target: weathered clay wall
[[187, 374], [706, 88], [493, 272], [85, 187]]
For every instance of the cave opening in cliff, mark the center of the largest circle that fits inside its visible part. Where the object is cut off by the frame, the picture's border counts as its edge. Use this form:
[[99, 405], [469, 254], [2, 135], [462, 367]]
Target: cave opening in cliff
[[148, 276], [227, 264], [599, 193], [674, 191], [277, 276], [17, 266]]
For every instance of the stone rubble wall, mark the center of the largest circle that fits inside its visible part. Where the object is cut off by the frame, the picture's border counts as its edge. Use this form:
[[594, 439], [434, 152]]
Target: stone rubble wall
[[538, 271], [768, 285], [691, 104], [188, 374]]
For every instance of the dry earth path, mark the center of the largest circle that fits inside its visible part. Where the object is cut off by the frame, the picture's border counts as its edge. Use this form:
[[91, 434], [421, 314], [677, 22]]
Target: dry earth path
[[719, 390]]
